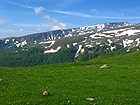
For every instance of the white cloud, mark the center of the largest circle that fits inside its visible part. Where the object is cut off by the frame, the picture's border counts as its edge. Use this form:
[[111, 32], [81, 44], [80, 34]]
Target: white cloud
[[72, 13], [95, 10], [38, 29], [21, 30], [56, 25], [32, 25], [104, 16], [14, 30], [122, 15], [18, 4], [54, 20], [62, 12], [46, 17], [2, 21], [39, 9]]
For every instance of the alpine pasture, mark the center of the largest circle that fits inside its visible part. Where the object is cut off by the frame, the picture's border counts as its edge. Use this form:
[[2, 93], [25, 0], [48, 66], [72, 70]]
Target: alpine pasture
[[79, 83]]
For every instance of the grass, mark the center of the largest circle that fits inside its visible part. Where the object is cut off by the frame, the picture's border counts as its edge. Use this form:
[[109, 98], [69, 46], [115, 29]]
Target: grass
[[72, 83]]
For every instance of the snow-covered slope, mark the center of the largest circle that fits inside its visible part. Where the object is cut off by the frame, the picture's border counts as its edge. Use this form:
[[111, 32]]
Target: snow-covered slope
[[127, 36], [53, 35], [77, 44], [121, 33]]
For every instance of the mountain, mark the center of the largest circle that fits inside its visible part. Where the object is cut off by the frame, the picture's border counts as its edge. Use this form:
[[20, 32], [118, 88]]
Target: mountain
[[53, 35], [75, 44]]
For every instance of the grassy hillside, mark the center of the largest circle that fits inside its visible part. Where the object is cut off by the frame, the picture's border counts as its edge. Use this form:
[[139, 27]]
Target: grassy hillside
[[73, 83]]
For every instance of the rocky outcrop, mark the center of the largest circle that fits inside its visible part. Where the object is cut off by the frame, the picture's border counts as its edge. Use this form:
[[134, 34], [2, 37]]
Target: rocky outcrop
[[104, 66]]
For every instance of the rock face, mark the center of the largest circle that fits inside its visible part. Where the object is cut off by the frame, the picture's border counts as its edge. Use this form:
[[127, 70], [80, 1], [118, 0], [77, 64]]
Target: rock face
[[104, 66]]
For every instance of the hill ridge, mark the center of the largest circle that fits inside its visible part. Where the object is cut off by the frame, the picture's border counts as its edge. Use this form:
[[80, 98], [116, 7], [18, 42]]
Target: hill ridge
[[70, 45]]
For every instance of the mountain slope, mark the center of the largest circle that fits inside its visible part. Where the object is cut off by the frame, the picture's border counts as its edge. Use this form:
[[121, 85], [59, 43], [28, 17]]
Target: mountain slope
[[53, 35], [76, 44]]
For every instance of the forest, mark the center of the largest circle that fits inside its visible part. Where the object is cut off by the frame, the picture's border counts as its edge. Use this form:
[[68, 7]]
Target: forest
[[32, 56]]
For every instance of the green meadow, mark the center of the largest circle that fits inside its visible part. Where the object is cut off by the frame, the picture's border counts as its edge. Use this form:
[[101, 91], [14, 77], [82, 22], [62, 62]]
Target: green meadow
[[73, 83]]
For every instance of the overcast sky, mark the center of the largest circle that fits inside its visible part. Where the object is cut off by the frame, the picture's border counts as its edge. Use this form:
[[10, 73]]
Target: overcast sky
[[23, 17]]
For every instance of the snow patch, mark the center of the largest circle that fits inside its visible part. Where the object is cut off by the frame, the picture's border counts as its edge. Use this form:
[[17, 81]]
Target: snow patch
[[68, 46], [127, 42], [73, 30], [52, 43], [74, 44], [23, 43], [121, 32], [84, 40], [138, 41], [98, 43], [130, 32], [82, 50], [114, 47], [52, 50], [79, 49], [6, 41], [114, 31], [89, 46], [18, 44], [35, 42], [109, 41], [99, 35], [69, 35], [63, 32]]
